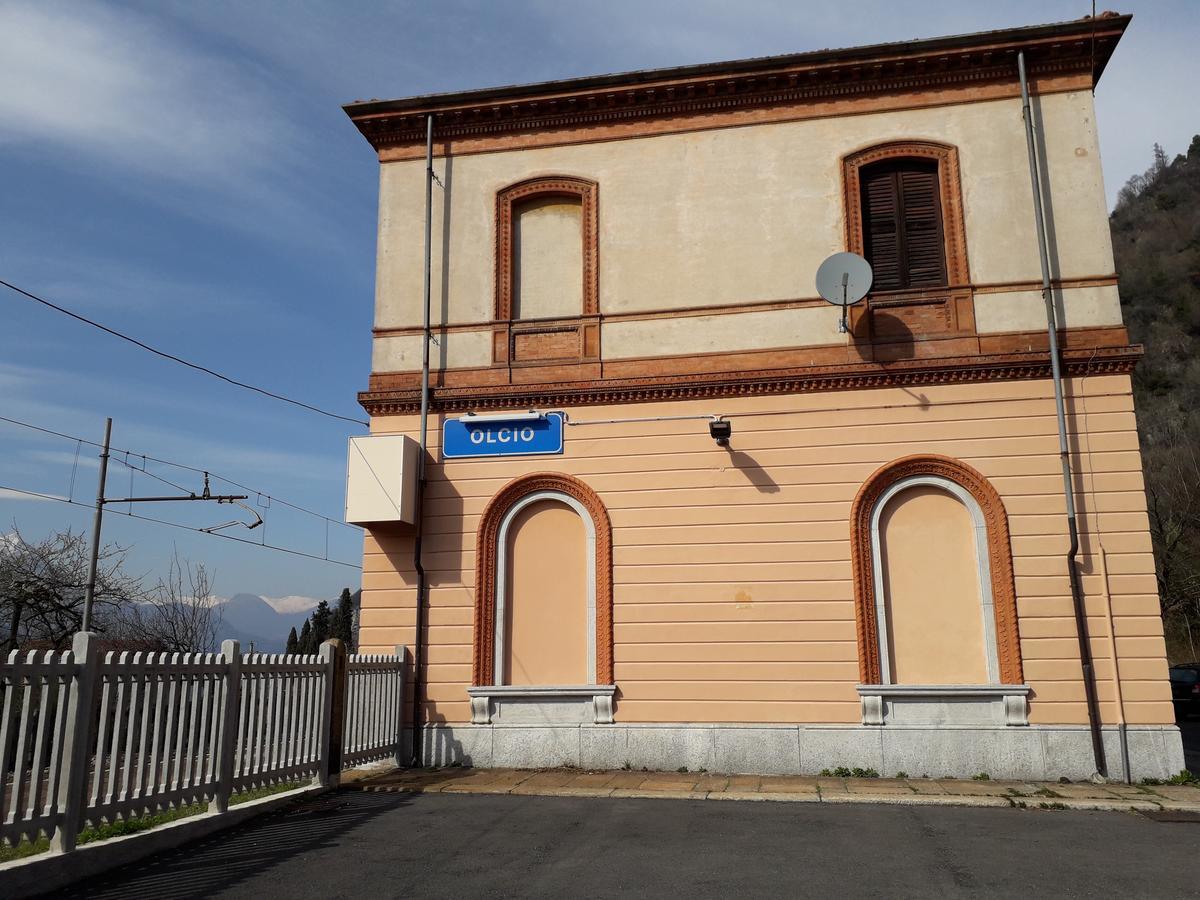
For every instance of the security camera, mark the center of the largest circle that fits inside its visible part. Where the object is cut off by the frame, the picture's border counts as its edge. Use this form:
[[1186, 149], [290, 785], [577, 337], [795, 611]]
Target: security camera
[[720, 430]]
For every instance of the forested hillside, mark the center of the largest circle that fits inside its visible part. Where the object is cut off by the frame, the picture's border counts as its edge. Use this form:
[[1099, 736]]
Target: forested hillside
[[1156, 240]]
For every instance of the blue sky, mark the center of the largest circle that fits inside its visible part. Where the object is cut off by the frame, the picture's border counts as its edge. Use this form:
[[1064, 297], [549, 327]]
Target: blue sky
[[183, 171]]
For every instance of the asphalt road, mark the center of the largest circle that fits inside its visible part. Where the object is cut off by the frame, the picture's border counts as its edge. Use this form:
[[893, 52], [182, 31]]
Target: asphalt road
[[442, 845]]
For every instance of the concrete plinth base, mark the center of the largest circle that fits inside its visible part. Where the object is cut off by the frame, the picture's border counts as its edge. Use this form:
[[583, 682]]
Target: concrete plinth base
[[1036, 752]]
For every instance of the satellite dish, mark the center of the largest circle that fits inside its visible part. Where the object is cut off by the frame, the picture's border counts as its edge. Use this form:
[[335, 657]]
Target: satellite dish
[[844, 279]]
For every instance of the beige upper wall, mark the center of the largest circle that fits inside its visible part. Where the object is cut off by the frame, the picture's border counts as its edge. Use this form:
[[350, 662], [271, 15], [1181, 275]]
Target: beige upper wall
[[744, 214]]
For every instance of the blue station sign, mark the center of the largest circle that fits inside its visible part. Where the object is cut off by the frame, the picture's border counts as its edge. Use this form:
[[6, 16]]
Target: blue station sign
[[495, 436]]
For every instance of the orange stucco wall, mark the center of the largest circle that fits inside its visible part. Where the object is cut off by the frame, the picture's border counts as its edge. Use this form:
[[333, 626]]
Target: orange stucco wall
[[733, 592], [546, 597], [931, 585]]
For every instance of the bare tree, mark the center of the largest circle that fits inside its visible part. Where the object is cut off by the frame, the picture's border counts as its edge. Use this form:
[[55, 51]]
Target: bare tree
[[42, 585], [179, 613], [1173, 501]]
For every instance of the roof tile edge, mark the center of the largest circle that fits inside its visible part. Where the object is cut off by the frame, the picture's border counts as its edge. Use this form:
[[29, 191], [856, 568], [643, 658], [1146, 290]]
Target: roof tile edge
[[1055, 47]]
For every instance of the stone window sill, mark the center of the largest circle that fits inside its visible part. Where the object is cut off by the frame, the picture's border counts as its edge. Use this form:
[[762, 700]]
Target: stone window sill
[[542, 704], [944, 704]]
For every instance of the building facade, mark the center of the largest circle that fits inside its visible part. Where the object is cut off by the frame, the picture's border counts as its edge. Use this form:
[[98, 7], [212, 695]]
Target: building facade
[[874, 569]]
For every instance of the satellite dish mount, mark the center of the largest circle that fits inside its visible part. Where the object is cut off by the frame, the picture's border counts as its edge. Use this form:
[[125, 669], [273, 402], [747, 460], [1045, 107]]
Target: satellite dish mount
[[843, 280]]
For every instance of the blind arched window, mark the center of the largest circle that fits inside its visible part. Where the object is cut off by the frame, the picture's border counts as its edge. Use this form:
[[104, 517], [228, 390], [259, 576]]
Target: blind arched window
[[902, 224]]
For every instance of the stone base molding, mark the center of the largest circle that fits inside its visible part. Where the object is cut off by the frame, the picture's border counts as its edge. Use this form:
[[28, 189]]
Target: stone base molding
[[944, 705], [552, 705], [1036, 752]]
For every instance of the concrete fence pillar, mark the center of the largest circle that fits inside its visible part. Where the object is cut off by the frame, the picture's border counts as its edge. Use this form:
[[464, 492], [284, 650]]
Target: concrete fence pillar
[[333, 655], [231, 704], [75, 742]]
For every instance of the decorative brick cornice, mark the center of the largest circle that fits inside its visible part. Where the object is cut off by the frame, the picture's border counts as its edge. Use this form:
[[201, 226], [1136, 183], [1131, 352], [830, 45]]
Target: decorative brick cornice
[[486, 549], [798, 380], [711, 90], [1004, 595]]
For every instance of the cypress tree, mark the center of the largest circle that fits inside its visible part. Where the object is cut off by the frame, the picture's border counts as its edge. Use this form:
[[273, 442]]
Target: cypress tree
[[293, 642], [306, 644], [321, 620], [343, 620]]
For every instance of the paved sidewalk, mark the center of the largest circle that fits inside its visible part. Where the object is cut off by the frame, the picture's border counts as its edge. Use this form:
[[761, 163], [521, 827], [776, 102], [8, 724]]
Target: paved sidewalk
[[705, 786]]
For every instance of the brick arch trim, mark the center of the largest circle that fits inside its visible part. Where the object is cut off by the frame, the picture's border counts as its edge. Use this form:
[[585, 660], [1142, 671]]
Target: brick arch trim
[[587, 192], [1000, 566], [486, 554], [949, 182]]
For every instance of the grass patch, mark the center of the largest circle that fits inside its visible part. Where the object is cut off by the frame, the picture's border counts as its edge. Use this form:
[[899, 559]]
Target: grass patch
[[134, 824], [981, 776], [843, 772], [1046, 792], [1184, 777], [24, 849], [266, 790]]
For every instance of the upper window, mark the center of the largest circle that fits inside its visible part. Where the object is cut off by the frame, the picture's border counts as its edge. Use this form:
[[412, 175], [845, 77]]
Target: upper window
[[904, 213], [902, 224], [546, 258], [547, 250]]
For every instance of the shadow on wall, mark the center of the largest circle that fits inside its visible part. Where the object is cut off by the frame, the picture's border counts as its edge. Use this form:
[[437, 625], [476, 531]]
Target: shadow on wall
[[1039, 136], [445, 568], [447, 181], [891, 336], [755, 474], [224, 860], [439, 748]]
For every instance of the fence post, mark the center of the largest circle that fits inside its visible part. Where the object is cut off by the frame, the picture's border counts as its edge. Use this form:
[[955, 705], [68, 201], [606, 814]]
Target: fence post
[[231, 698], [402, 657], [333, 654], [75, 742]]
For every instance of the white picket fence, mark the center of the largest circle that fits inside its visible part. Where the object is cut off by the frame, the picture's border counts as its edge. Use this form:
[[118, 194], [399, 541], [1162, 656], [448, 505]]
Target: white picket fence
[[89, 737]]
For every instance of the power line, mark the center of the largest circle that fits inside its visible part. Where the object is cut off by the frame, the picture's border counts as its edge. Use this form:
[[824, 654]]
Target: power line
[[173, 358], [166, 462], [229, 537], [132, 468]]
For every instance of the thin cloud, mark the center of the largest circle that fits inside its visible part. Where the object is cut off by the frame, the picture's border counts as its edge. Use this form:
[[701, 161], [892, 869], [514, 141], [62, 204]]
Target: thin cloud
[[122, 94], [110, 82], [6, 494]]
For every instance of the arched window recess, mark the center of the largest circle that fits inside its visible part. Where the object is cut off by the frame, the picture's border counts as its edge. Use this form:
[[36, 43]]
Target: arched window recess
[[498, 574], [934, 593]]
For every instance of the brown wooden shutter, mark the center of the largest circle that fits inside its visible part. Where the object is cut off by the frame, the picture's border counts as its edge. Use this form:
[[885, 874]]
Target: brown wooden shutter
[[902, 225]]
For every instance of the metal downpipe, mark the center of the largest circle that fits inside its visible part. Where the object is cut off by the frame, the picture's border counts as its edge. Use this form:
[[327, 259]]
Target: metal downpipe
[[418, 645], [1064, 453]]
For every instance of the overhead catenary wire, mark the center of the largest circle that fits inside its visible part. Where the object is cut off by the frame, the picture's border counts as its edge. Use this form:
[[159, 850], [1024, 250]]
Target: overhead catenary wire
[[178, 465], [41, 495], [178, 359]]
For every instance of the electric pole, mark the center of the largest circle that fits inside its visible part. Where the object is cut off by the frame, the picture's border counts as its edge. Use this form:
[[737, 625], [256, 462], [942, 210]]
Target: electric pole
[[89, 594]]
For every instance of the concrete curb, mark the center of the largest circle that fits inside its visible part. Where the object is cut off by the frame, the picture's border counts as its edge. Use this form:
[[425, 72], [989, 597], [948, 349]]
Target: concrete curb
[[50, 871], [890, 798]]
